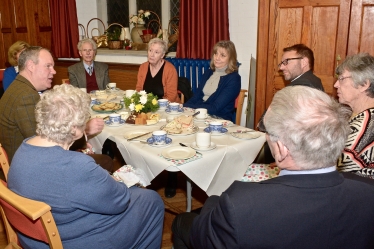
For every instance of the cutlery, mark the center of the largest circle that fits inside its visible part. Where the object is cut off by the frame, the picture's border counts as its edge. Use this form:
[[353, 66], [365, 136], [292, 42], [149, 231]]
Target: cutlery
[[244, 131], [183, 145], [196, 113], [139, 136]]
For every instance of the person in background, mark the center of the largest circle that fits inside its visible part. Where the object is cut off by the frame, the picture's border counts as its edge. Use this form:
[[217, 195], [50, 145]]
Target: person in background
[[13, 54], [309, 205], [17, 105], [91, 209], [157, 75], [89, 74], [220, 84], [355, 88], [297, 66]]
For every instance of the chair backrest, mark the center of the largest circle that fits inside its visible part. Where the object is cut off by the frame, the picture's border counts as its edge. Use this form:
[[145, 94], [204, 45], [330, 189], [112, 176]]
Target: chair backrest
[[65, 81], [184, 87], [239, 105], [4, 162], [29, 217]]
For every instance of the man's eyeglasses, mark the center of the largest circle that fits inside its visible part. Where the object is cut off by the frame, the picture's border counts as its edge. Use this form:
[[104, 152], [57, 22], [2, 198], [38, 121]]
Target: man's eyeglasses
[[341, 78], [285, 62]]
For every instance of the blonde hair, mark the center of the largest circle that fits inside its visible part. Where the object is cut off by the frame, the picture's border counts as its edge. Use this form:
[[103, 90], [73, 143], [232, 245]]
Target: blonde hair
[[14, 49], [60, 112], [230, 48]]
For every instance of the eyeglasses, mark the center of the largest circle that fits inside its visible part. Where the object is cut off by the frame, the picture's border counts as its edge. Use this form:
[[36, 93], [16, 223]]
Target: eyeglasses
[[343, 78], [285, 62], [261, 126]]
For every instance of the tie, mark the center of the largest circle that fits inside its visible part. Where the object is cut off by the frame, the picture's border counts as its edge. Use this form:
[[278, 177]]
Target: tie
[[90, 70]]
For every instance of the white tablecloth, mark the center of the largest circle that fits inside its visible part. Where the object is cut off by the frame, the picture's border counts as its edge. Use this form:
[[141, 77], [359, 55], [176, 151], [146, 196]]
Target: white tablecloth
[[213, 173]]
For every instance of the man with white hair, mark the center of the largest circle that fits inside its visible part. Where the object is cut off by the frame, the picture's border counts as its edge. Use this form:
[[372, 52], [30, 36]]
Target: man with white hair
[[310, 204]]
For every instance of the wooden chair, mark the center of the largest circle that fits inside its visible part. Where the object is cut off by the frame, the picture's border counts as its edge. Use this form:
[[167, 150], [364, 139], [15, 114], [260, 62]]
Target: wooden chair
[[30, 217], [65, 81], [239, 105], [4, 162]]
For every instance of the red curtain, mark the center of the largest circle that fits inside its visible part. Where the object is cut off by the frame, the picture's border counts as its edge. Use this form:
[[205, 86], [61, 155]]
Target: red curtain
[[201, 25], [65, 34]]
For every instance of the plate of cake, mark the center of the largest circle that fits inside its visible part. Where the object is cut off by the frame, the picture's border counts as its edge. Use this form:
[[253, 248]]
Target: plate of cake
[[180, 126], [143, 119]]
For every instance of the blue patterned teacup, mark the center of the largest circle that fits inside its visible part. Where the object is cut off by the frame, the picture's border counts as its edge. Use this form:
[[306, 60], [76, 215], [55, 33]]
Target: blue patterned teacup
[[159, 137], [114, 118], [163, 103], [215, 127], [174, 107]]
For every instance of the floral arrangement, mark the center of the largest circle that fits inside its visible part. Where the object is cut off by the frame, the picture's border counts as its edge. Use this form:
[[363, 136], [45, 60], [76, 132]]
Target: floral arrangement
[[142, 102], [140, 17]]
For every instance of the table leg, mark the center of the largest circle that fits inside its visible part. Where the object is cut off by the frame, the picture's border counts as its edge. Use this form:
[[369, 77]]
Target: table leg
[[189, 194]]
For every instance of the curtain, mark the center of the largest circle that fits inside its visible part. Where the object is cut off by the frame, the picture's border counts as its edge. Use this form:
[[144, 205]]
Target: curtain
[[65, 34], [201, 25]]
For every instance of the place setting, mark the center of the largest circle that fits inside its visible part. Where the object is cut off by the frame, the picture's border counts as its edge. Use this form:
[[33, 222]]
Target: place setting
[[174, 109], [216, 128], [203, 142], [246, 134], [159, 139], [202, 115], [114, 120]]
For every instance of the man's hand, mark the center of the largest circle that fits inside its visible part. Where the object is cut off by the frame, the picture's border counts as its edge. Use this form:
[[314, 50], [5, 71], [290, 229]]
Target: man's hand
[[95, 125]]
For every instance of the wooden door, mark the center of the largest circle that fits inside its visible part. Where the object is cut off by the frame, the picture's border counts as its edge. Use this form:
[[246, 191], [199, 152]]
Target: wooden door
[[322, 25], [361, 30]]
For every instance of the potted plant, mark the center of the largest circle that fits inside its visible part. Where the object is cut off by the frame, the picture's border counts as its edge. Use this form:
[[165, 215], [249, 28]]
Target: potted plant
[[113, 35]]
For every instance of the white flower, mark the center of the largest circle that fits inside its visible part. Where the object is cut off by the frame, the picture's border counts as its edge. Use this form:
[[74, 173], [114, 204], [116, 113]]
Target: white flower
[[143, 99], [132, 107], [147, 14], [143, 93], [140, 12]]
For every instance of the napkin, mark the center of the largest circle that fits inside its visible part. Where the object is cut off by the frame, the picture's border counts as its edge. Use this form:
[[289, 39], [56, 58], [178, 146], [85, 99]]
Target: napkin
[[179, 162], [131, 176], [259, 172]]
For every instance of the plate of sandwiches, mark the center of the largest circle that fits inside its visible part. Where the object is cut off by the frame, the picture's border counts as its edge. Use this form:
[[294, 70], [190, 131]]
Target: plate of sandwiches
[[181, 126]]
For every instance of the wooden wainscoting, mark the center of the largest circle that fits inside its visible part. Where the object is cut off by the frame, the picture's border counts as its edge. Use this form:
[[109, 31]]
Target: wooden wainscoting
[[125, 75]]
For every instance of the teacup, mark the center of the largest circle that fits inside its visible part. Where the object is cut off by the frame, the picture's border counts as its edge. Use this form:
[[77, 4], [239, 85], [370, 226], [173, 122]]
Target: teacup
[[94, 101], [203, 113], [163, 103], [174, 107], [203, 140], [124, 115], [114, 118], [215, 127], [159, 137], [129, 93], [111, 86]]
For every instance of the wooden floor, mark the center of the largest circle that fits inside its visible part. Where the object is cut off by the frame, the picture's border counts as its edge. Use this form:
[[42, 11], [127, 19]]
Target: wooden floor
[[173, 206]]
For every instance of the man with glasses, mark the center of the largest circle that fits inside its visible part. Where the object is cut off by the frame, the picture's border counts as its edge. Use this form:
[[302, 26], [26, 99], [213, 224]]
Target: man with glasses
[[89, 74], [309, 205], [297, 66]]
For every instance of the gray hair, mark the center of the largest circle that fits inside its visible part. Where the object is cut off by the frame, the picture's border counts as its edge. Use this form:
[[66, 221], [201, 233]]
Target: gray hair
[[361, 67], [161, 42], [311, 124], [60, 112], [87, 40], [30, 53]]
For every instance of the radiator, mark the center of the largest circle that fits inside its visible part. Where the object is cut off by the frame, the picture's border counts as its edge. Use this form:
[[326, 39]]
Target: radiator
[[193, 69]]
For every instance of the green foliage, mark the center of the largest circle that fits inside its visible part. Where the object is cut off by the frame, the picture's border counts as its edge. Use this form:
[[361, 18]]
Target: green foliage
[[142, 102], [114, 33]]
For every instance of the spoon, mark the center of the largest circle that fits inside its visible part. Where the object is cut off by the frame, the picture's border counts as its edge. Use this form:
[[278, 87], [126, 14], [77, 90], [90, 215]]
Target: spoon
[[196, 113]]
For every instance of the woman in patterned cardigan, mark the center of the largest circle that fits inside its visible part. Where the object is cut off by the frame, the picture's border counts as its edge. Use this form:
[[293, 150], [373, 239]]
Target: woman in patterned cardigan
[[355, 87]]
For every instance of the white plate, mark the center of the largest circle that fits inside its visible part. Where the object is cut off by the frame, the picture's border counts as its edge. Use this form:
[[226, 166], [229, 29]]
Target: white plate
[[178, 152], [246, 135], [108, 123], [143, 124], [174, 113], [223, 131], [211, 147], [225, 123], [131, 134], [193, 130], [168, 142]]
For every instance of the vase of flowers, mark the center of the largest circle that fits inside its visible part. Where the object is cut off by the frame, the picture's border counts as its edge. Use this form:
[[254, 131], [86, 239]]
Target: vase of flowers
[[139, 22], [141, 102]]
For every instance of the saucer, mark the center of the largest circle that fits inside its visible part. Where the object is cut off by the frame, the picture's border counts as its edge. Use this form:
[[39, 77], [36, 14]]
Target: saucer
[[211, 147], [168, 141], [110, 124], [200, 119], [174, 113], [223, 131]]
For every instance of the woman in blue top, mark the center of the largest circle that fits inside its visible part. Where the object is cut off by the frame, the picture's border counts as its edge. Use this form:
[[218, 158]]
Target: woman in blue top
[[13, 53], [220, 84]]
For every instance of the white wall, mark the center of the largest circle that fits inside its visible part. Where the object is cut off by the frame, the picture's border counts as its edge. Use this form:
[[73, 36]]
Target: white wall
[[243, 15]]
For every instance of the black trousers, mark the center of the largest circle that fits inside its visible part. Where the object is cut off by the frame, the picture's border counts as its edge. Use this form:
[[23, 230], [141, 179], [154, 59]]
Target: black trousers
[[181, 228]]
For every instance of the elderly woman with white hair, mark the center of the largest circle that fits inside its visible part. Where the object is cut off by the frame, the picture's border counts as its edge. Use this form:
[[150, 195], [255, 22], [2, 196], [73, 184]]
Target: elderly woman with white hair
[[355, 88], [157, 75], [91, 209]]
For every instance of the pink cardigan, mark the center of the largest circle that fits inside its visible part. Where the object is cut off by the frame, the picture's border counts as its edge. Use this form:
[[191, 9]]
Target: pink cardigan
[[169, 80]]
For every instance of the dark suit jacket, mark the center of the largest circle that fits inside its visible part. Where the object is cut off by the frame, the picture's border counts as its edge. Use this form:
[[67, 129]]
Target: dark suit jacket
[[17, 114], [292, 211], [308, 79], [77, 75]]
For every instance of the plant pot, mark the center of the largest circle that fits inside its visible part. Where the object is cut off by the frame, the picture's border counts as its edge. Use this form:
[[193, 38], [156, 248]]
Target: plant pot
[[147, 31], [115, 44]]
